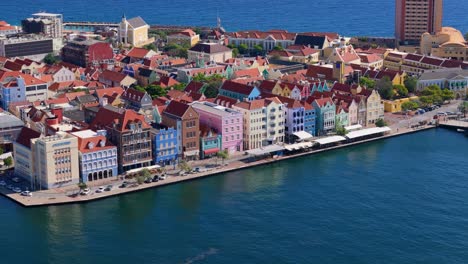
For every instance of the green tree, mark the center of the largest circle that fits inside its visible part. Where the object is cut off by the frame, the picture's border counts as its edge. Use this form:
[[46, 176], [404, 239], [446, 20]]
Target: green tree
[[211, 91], [235, 52], [8, 161], [231, 46], [426, 100], [463, 107], [411, 83], [279, 47], [2, 151], [145, 173], [183, 165], [50, 59], [257, 50], [366, 82], [341, 131], [139, 88], [151, 46], [82, 185], [385, 88], [380, 123], [156, 91], [200, 77], [410, 105], [197, 30], [447, 95], [243, 48], [466, 36], [401, 90], [223, 155], [178, 87]]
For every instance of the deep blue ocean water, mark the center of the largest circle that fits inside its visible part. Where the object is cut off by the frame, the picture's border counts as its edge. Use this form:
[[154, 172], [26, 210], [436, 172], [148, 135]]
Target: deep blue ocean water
[[398, 201], [347, 17]]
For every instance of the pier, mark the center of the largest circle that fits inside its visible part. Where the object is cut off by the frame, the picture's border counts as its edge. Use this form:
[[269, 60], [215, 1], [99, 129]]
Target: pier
[[454, 124]]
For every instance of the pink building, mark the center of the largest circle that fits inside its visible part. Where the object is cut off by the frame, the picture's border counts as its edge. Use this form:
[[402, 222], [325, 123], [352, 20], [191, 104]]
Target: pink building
[[225, 121]]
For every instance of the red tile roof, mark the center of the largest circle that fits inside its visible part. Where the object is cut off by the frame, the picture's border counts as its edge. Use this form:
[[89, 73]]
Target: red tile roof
[[111, 91], [112, 76], [25, 136], [166, 81], [323, 101], [176, 109], [107, 116], [237, 87], [138, 53], [193, 87]]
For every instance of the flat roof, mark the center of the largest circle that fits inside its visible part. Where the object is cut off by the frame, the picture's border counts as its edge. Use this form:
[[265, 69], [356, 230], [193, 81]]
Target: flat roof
[[328, 140], [85, 133], [265, 150], [353, 127], [302, 135], [10, 121], [298, 146], [215, 109], [367, 132]]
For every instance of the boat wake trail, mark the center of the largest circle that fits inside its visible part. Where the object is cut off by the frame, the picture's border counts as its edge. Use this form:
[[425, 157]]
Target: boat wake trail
[[201, 256]]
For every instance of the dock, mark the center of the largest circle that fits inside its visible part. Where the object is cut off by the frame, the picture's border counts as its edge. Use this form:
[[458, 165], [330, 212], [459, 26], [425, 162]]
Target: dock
[[454, 124]]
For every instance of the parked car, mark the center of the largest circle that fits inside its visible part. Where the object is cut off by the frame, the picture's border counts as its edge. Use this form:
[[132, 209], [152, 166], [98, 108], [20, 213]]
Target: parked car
[[155, 178], [108, 188], [26, 193], [124, 184], [148, 180], [100, 189], [85, 191], [162, 177], [10, 187], [17, 190]]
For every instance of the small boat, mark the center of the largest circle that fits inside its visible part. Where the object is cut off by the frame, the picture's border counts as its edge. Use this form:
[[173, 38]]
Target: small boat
[[460, 130]]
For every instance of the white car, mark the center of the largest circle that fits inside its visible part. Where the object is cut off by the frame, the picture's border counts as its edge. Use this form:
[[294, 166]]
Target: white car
[[85, 191], [17, 190], [26, 193], [162, 177], [100, 189]]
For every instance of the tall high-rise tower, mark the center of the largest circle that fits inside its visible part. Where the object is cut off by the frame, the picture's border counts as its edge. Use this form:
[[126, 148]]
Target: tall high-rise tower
[[416, 17]]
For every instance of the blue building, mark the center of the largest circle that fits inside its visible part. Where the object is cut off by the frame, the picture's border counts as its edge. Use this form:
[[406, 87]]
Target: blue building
[[165, 145], [12, 89], [325, 115], [309, 119], [239, 91], [97, 156], [210, 142]]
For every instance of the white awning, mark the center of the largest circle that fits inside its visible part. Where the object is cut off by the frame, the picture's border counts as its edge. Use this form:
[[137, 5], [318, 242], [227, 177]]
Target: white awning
[[302, 135], [265, 150], [192, 153], [328, 140], [298, 146], [353, 127], [367, 132]]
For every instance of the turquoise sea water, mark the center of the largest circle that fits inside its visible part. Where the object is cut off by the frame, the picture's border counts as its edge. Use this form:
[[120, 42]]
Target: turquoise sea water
[[348, 17], [398, 201]]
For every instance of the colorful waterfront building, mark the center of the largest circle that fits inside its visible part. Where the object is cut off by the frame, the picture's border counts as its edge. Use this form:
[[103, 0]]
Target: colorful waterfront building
[[341, 116], [375, 107], [185, 119], [165, 145], [294, 113], [239, 91], [210, 142], [225, 121], [309, 118], [130, 132], [263, 122], [326, 111], [97, 155]]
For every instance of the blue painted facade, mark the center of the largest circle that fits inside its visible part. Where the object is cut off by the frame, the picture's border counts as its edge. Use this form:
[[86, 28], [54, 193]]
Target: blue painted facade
[[12, 94], [165, 146], [309, 122], [319, 87], [210, 145], [325, 117], [99, 164]]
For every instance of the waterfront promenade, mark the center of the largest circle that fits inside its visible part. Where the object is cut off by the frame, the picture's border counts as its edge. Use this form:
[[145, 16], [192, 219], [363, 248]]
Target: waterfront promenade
[[400, 125], [70, 194]]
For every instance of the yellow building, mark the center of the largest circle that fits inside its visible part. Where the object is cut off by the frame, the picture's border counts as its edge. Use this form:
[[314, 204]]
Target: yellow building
[[184, 38], [395, 105], [134, 32], [448, 43]]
